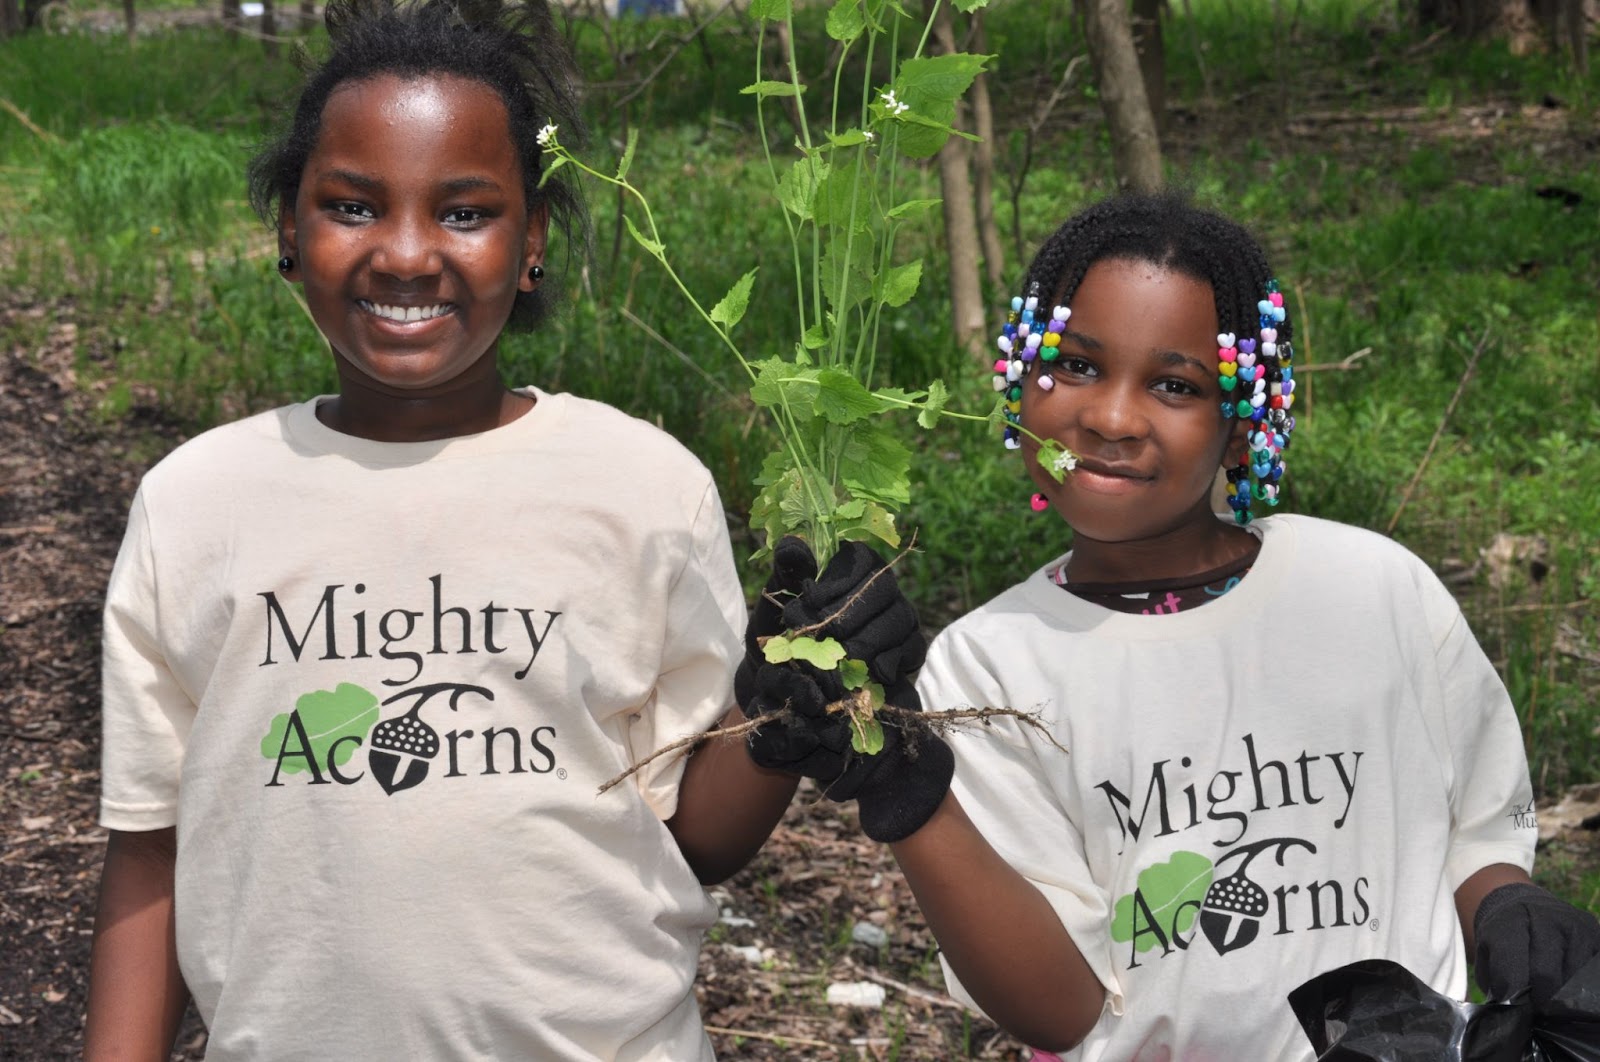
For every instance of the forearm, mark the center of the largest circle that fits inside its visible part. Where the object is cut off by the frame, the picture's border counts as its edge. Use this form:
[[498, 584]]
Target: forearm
[[727, 806], [999, 934], [136, 991], [1479, 885]]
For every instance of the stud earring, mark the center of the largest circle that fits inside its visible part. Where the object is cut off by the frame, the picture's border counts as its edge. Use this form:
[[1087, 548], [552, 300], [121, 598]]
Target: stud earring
[[536, 273], [285, 264], [1039, 502]]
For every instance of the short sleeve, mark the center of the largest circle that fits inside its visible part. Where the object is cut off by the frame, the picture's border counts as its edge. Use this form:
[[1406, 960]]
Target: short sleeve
[[704, 627], [1491, 798], [1004, 788], [145, 713]]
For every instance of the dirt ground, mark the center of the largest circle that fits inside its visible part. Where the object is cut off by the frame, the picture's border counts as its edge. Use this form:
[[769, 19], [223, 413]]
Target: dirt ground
[[65, 483]]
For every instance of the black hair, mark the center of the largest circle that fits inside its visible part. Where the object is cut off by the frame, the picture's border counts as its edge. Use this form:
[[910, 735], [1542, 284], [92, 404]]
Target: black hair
[[1167, 230], [512, 47]]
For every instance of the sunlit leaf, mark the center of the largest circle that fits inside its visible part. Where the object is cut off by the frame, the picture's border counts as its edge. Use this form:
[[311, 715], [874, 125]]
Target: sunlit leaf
[[627, 153], [853, 673], [938, 396], [913, 209], [653, 246], [845, 20], [843, 399], [823, 654], [763, 89], [733, 305], [900, 283], [797, 189]]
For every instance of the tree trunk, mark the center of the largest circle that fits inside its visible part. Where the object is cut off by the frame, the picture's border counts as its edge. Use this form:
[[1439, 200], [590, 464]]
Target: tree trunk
[[960, 222], [1577, 25], [1152, 49], [308, 15], [10, 19], [130, 20], [269, 27], [1135, 146], [994, 262], [230, 14]]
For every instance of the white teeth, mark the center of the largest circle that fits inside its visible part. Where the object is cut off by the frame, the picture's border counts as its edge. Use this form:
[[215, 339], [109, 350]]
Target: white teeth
[[404, 313]]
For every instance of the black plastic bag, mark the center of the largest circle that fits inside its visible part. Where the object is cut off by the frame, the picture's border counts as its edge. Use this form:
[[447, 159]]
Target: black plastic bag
[[1378, 1011]]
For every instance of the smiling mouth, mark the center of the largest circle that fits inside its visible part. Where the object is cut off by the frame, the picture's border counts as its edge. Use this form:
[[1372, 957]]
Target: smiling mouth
[[1112, 471], [404, 314]]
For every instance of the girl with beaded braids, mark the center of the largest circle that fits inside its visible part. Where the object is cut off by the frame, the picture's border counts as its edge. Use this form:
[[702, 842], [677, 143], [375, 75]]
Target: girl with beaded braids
[[1284, 750], [369, 657]]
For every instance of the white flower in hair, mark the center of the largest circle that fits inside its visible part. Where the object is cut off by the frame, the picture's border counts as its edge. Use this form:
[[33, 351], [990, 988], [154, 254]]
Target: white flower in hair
[[547, 135]]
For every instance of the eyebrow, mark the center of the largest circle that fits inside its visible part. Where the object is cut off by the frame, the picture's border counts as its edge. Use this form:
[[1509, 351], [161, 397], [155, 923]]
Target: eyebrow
[[1165, 357], [373, 184]]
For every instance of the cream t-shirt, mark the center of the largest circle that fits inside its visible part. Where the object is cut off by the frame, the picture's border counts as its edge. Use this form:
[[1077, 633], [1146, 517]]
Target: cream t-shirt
[[376, 687], [1289, 778]]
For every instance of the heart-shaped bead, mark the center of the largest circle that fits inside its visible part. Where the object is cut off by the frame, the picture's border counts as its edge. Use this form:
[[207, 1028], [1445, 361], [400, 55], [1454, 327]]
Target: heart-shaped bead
[[1228, 383], [1246, 359], [1005, 343], [1227, 353], [1269, 335], [1264, 306], [1269, 350], [1228, 368], [999, 383], [1247, 346], [1225, 339], [1034, 341], [1061, 313], [1275, 298], [1000, 365]]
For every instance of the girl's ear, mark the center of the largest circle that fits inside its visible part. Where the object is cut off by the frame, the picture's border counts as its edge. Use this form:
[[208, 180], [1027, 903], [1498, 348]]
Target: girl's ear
[[288, 244], [533, 247]]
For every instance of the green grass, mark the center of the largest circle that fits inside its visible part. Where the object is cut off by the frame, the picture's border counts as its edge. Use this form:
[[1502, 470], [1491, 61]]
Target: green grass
[[1399, 239]]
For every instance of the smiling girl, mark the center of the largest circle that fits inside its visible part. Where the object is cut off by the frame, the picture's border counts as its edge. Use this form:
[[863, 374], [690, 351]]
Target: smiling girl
[[1285, 750], [369, 657]]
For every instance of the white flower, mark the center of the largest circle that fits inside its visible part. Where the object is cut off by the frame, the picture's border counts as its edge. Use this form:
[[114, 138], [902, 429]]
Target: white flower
[[870, 135], [893, 105], [1065, 461], [547, 136]]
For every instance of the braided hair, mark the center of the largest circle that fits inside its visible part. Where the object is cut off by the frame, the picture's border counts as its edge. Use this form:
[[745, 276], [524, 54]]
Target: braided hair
[[1170, 232], [1165, 230], [511, 46]]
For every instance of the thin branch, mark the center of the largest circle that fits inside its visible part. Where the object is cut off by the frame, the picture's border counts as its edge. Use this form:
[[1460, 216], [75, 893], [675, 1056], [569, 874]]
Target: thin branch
[[1345, 365], [937, 998], [681, 356], [1422, 466], [777, 1038], [16, 112], [845, 605], [683, 41]]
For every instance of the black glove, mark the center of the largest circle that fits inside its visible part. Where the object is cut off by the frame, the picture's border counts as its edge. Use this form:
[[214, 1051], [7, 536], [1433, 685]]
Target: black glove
[[856, 594], [1529, 939], [896, 790]]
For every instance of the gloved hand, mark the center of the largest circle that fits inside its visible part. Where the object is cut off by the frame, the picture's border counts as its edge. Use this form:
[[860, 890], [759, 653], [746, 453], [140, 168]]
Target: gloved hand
[[896, 790], [1528, 938], [857, 595]]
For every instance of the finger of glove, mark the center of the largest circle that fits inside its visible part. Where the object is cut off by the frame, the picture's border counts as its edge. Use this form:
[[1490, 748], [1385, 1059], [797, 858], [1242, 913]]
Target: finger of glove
[[808, 741], [1562, 940], [891, 645], [793, 564], [876, 615], [1501, 959]]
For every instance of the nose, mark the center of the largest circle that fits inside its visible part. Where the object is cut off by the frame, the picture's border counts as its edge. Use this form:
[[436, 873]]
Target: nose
[[1116, 415], [406, 250]]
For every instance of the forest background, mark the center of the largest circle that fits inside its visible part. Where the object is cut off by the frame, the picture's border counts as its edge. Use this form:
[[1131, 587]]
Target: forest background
[[1423, 175]]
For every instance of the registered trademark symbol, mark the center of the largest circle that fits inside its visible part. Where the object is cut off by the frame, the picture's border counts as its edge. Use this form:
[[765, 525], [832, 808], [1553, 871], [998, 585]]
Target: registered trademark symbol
[[1373, 925], [561, 772]]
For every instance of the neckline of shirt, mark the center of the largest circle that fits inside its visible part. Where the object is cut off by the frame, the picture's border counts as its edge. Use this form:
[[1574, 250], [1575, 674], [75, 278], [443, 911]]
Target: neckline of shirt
[[1244, 603], [303, 427]]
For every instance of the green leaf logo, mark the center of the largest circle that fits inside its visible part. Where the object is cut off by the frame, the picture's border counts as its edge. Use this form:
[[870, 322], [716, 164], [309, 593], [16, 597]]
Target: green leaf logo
[[1165, 887], [327, 716]]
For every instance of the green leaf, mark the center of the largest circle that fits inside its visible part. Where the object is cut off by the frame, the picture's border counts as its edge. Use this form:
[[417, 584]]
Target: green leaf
[[853, 673], [841, 202], [555, 163], [848, 138], [326, 716], [930, 86], [875, 465], [824, 655], [731, 309], [969, 6], [845, 20], [866, 734], [874, 521], [797, 188], [767, 511], [914, 208], [772, 10], [900, 283], [898, 397], [763, 89], [779, 383], [844, 287], [938, 396], [843, 399], [815, 338], [1172, 893], [627, 153], [646, 242], [1055, 459]]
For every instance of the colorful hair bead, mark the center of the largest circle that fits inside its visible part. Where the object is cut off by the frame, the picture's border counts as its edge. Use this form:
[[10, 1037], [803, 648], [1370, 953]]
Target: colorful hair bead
[[1264, 366], [1025, 337]]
